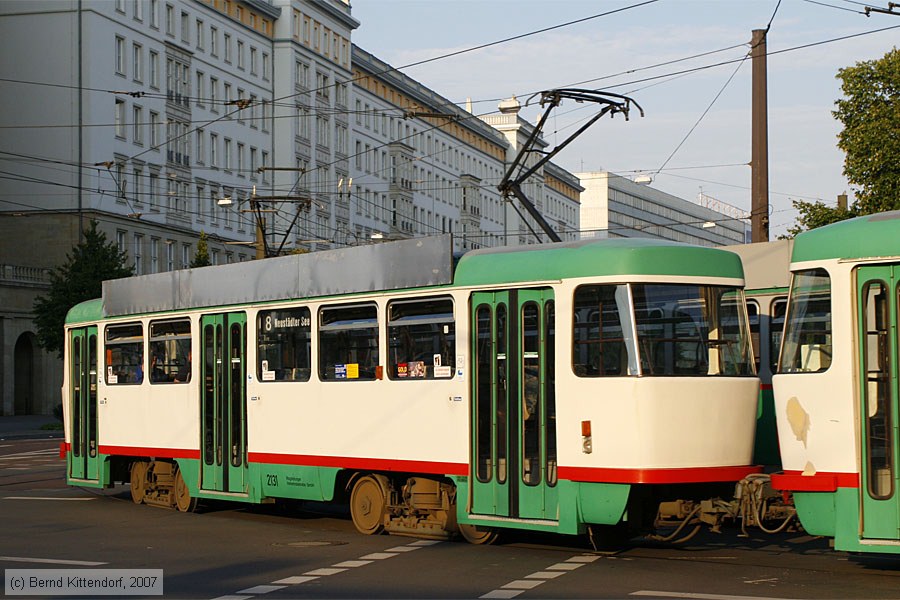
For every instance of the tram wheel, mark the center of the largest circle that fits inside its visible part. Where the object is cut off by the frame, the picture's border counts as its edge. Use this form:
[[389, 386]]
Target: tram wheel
[[183, 500], [138, 481], [367, 505], [477, 535]]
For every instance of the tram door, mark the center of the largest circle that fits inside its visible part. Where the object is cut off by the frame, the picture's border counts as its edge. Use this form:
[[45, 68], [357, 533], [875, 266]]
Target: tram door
[[513, 451], [223, 407], [877, 321], [85, 455]]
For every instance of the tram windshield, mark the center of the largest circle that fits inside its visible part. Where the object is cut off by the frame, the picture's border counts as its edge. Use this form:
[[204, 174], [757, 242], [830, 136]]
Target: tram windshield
[[807, 332], [660, 330]]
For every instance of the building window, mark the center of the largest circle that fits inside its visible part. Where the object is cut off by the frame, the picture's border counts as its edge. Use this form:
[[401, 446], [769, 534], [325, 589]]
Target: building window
[[170, 20], [201, 42], [120, 56], [213, 145], [120, 6], [199, 90], [240, 54], [120, 118], [154, 255], [227, 44], [137, 62], [252, 60], [265, 66], [154, 192], [213, 94], [240, 160], [226, 157], [138, 125], [213, 41], [154, 13], [154, 129], [185, 27], [154, 69], [199, 153], [138, 254], [185, 256]]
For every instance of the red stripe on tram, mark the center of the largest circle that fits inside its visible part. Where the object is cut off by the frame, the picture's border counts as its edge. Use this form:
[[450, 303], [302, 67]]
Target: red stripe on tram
[[796, 481], [656, 476], [155, 452], [369, 464]]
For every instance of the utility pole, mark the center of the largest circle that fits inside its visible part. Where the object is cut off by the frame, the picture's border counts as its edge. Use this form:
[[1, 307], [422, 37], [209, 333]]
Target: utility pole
[[759, 162]]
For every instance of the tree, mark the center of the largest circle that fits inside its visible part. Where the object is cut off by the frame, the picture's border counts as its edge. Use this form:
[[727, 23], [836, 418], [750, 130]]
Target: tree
[[80, 278], [201, 258], [817, 214], [870, 139], [870, 113]]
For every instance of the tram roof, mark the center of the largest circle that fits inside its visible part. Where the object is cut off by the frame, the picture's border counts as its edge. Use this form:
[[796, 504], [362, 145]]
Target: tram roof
[[610, 257], [870, 236], [415, 263]]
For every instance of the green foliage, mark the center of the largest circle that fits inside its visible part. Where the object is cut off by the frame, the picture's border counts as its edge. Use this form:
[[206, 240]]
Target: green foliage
[[817, 214], [80, 278], [201, 258], [870, 113]]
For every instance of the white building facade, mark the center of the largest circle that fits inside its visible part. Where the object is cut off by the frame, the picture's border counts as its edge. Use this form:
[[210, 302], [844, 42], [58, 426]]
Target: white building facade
[[614, 206]]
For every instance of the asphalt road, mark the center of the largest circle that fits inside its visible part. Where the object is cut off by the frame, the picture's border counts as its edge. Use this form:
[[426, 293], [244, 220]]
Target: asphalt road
[[269, 553]]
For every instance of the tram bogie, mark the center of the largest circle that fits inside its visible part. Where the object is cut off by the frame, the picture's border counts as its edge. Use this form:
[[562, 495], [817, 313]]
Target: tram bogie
[[564, 388]]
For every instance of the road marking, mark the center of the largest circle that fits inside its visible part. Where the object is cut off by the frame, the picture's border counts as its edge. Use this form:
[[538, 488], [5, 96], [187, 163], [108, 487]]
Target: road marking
[[46, 498], [334, 569], [545, 575], [51, 561], [769, 580], [352, 564], [523, 584], [324, 572], [379, 555], [296, 580], [518, 586], [262, 589], [692, 596]]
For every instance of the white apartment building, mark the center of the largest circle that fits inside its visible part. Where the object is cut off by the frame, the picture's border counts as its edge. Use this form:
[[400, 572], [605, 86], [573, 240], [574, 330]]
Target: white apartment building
[[615, 206]]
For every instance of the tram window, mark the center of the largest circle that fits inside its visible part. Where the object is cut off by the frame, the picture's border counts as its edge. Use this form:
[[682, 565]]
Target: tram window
[[876, 328], [170, 351], [284, 342], [806, 347], [753, 316], [484, 356], [776, 329], [421, 338], [125, 354], [691, 330], [602, 342], [348, 342]]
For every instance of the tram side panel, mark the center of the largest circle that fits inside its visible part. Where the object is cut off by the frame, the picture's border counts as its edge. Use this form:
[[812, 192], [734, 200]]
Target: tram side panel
[[302, 435], [816, 405]]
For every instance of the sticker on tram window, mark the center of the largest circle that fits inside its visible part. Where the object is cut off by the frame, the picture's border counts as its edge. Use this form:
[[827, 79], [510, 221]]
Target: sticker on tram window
[[402, 370], [340, 371], [352, 370], [437, 360], [417, 368], [443, 372], [267, 375]]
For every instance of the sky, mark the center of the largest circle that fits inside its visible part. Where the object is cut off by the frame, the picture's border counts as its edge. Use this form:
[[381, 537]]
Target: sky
[[696, 125]]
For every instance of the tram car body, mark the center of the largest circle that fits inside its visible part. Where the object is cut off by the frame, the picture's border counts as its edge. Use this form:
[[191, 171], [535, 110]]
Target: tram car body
[[767, 278], [550, 388], [836, 392]]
